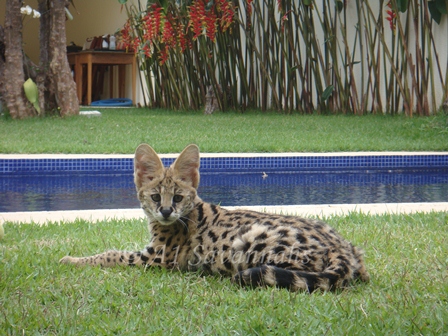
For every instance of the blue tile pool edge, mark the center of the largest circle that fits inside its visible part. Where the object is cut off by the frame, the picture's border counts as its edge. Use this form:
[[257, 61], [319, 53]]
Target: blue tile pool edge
[[42, 164]]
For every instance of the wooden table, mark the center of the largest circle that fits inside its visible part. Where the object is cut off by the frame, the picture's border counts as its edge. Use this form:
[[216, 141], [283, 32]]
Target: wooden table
[[111, 58]]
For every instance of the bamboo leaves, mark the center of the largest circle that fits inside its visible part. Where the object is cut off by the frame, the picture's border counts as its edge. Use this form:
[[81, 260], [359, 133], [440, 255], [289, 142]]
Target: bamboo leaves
[[437, 8], [327, 92]]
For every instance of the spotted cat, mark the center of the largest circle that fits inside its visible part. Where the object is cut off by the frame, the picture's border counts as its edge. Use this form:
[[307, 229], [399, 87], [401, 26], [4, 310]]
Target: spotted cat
[[255, 249]]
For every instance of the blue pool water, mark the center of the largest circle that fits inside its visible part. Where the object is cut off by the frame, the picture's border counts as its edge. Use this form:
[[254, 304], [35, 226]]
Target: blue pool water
[[76, 191]]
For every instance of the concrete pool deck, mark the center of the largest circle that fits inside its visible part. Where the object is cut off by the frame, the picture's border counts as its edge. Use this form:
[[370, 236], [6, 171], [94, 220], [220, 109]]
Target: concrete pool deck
[[319, 210]]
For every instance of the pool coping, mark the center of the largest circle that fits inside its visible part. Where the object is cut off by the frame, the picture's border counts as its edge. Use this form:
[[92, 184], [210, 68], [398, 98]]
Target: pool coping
[[309, 210], [217, 155]]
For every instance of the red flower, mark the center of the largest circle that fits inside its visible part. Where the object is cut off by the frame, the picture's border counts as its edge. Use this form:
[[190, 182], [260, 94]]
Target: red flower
[[249, 13], [181, 37], [126, 35], [152, 22], [227, 11], [168, 33], [197, 17], [391, 16], [210, 24], [147, 50], [163, 57], [283, 19]]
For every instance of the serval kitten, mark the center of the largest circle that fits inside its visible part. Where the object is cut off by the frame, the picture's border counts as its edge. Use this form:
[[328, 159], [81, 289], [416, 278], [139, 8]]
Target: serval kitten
[[255, 249]]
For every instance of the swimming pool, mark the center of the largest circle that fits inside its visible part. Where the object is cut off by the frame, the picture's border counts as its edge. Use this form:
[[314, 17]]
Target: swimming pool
[[45, 183]]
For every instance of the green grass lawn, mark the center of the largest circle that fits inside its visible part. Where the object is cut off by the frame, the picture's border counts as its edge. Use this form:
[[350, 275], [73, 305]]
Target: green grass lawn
[[122, 130], [406, 255]]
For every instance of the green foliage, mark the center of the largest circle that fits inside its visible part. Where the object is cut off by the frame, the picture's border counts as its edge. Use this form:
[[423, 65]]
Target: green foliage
[[437, 8], [402, 5], [32, 93], [122, 130], [327, 92], [406, 256]]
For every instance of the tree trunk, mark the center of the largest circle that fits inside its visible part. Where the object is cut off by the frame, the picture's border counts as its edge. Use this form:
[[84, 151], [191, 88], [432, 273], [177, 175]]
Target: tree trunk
[[57, 89], [13, 75], [62, 85], [46, 100], [2, 62]]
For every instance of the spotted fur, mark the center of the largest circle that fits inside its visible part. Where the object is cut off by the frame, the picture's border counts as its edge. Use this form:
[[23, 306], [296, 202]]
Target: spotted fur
[[255, 249]]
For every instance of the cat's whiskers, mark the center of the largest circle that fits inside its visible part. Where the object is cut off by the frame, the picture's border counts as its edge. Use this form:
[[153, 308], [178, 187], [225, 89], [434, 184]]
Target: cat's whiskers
[[181, 220]]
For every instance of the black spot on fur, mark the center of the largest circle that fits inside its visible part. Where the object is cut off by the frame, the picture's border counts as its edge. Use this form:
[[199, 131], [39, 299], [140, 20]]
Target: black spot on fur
[[202, 223], [301, 238], [244, 229], [214, 208], [246, 247], [282, 233], [253, 277], [283, 278], [169, 240], [131, 259], [259, 247], [283, 242], [311, 280], [284, 265], [215, 220], [200, 212], [316, 238], [333, 278], [278, 249], [261, 236], [206, 268], [212, 235]]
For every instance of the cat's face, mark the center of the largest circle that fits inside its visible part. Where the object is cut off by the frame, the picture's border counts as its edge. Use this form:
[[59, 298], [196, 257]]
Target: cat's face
[[166, 194]]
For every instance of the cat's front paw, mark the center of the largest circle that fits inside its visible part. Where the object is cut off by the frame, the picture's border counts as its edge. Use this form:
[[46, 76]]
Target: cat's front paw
[[68, 260]]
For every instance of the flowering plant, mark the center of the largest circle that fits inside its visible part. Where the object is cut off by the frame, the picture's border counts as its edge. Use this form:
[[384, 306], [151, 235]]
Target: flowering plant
[[163, 27], [27, 10], [290, 55]]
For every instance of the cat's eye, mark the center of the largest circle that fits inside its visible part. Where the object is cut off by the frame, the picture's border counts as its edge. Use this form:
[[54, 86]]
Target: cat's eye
[[177, 198], [156, 197]]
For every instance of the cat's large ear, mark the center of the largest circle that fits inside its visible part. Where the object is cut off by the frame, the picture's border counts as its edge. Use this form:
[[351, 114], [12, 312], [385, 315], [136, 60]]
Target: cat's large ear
[[147, 165], [186, 166]]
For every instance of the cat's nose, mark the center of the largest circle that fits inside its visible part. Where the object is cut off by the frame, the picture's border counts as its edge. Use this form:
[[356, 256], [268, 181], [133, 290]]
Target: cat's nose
[[166, 212]]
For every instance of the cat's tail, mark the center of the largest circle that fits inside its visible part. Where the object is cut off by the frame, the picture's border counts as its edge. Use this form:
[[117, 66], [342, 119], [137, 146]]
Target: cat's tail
[[293, 280]]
